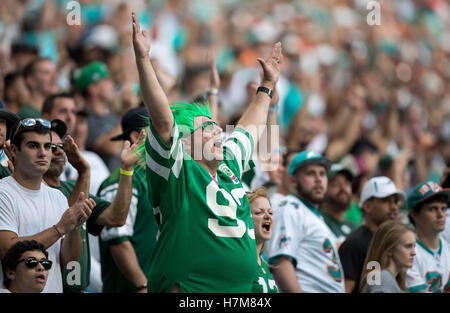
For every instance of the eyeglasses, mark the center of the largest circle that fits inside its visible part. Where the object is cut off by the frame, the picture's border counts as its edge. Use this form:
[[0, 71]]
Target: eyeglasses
[[32, 262], [29, 123], [54, 146], [208, 126]]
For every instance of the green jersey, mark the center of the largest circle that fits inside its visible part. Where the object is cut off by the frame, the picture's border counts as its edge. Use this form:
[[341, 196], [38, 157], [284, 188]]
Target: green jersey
[[264, 282], [71, 280], [340, 229], [206, 241], [140, 229], [4, 172]]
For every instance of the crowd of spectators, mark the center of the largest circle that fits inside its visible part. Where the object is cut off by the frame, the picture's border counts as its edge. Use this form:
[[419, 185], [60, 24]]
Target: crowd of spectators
[[370, 96]]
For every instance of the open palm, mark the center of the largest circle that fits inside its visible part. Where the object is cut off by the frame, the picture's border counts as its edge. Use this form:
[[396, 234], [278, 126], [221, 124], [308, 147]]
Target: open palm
[[141, 40], [271, 66]]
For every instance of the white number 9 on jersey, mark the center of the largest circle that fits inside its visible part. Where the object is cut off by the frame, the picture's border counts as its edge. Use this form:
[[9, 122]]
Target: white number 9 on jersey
[[226, 211]]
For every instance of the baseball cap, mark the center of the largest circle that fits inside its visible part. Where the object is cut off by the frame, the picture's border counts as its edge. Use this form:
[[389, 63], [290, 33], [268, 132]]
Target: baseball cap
[[134, 119], [90, 74], [59, 127], [11, 119], [424, 191], [379, 187], [338, 168], [305, 158]]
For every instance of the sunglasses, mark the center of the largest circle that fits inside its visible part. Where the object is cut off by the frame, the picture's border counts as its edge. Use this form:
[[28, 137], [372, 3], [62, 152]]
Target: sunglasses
[[30, 123], [208, 126], [55, 146], [32, 262]]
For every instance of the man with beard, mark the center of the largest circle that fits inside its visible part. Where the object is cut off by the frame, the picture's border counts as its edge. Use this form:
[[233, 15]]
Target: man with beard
[[380, 201], [337, 201], [303, 248]]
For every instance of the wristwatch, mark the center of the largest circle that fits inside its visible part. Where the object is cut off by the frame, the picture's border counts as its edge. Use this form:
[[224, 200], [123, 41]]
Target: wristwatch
[[265, 90]]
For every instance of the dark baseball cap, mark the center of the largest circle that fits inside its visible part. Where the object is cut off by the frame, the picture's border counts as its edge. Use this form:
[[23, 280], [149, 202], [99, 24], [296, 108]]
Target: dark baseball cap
[[11, 119], [134, 119], [305, 158], [424, 191], [59, 127], [338, 168]]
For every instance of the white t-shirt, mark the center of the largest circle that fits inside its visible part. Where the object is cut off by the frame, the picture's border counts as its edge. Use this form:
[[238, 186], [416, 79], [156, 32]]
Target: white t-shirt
[[99, 170], [431, 269], [301, 234], [28, 212]]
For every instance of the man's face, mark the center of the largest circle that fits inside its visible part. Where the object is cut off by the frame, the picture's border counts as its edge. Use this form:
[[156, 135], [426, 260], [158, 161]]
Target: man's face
[[45, 78], [106, 89], [34, 155], [80, 131], [382, 209], [339, 192], [64, 109], [58, 160], [29, 280], [431, 217], [3, 130], [311, 183], [206, 144]]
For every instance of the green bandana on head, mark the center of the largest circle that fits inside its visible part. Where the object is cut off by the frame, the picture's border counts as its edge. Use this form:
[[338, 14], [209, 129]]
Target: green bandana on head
[[185, 113]]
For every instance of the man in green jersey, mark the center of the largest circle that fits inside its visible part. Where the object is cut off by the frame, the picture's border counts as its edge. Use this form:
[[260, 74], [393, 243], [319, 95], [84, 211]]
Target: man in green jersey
[[76, 276], [206, 241], [126, 251]]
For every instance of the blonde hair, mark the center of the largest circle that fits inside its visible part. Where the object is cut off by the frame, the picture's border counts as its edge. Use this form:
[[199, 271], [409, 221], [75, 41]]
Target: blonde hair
[[386, 237], [260, 192]]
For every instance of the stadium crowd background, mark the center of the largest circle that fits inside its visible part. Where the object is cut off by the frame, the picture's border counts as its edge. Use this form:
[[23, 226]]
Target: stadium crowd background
[[373, 97]]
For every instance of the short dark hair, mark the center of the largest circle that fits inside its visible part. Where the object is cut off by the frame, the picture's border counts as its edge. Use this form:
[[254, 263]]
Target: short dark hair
[[17, 138], [421, 205], [31, 67], [9, 80], [47, 107], [15, 252]]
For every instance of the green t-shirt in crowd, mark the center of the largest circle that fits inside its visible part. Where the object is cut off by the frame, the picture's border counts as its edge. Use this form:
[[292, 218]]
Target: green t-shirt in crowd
[[140, 229], [71, 280], [354, 214], [340, 229], [4, 172], [28, 111]]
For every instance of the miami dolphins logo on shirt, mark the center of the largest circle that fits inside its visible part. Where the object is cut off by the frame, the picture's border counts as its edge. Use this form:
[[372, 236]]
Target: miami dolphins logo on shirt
[[226, 170]]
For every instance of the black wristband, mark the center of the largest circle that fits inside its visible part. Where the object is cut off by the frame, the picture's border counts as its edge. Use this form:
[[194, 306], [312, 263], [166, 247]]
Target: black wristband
[[138, 288], [265, 90]]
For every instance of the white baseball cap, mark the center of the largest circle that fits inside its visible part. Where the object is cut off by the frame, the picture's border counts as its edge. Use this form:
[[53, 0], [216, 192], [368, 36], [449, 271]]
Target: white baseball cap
[[379, 187]]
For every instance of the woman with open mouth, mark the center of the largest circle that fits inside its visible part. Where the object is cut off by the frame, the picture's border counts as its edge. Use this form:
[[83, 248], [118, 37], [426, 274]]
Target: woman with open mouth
[[263, 225]]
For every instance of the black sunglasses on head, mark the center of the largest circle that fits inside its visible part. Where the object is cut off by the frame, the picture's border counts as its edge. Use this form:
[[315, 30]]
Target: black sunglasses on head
[[32, 262]]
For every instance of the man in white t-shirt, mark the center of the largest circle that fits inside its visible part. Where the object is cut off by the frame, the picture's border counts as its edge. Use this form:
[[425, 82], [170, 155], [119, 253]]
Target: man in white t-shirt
[[427, 204], [30, 210], [303, 248]]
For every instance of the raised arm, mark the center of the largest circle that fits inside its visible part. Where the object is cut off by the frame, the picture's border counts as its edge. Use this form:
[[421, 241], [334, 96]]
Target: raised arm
[[214, 84], [153, 94], [256, 113], [116, 214]]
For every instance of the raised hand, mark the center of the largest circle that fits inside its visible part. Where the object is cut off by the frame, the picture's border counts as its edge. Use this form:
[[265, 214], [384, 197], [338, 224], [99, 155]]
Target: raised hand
[[214, 79], [130, 154], [271, 66], [141, 39], [74, 155], [7, 150]]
